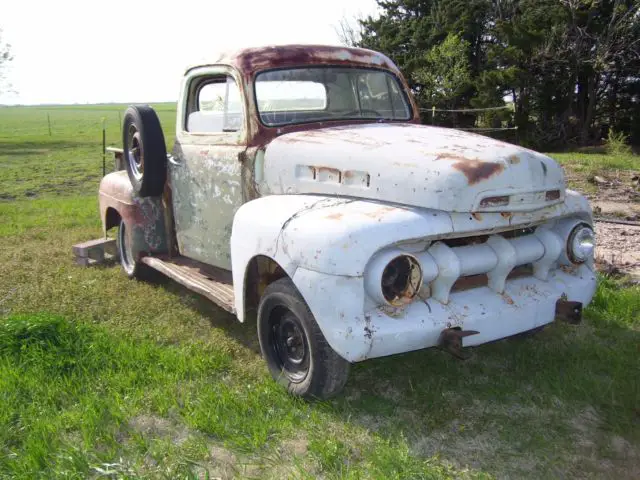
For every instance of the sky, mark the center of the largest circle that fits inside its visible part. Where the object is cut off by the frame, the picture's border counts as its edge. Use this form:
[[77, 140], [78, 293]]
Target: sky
[[74, 51]]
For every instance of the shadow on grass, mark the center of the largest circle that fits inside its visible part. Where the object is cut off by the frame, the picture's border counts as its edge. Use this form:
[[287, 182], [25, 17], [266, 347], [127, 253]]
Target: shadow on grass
[[520, 401], [563, 369], [243, 333]]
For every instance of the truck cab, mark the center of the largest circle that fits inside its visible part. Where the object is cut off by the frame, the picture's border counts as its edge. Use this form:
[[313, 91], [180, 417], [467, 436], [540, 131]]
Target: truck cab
[[303, 194]]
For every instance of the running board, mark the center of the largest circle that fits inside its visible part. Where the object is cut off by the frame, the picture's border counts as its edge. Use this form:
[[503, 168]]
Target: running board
[[211, 282]]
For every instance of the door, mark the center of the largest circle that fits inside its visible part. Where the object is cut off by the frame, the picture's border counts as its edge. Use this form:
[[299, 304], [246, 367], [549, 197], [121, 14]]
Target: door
[[205, 166]]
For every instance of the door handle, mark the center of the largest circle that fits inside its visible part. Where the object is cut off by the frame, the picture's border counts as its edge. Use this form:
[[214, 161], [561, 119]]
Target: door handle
[[173, 161]]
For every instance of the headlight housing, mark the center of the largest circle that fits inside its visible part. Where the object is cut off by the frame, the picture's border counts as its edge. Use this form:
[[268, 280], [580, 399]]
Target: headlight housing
[[393, 277], [581, 243]]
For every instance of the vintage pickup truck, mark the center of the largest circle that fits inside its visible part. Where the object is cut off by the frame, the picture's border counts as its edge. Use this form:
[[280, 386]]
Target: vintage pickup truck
[[303, 194]]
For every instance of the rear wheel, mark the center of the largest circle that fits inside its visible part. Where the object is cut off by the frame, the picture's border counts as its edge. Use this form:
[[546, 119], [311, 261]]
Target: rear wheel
[[130, 264], [294, 348], [125, 252], [145, 152]]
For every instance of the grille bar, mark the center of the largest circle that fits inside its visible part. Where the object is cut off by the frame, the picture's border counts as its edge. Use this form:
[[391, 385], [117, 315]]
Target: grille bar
[[496, 258]]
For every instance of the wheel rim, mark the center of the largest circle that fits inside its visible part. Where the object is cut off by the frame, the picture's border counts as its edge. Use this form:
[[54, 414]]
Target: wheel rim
[[135, 153], [289, 344], [126, 255]]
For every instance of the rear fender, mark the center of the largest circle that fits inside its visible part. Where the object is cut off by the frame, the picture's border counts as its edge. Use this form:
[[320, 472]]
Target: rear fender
[[144, 216]]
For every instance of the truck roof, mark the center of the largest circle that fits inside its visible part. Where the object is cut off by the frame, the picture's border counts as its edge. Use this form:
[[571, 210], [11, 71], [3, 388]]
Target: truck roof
[[251, 60]]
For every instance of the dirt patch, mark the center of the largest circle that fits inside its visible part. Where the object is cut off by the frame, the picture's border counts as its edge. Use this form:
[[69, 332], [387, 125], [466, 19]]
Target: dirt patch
[[608, 208], [487, 441], [618, 249], [621, 459], [159, 427], [294, 447], [617, 194]]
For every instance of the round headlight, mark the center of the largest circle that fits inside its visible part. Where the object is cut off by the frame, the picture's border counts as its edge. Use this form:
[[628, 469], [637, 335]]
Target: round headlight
[[401, 280], [581, 244]]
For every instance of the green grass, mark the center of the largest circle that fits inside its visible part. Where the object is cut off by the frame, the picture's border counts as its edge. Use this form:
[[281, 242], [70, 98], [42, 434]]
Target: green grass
[[582, 167], [104, 376]]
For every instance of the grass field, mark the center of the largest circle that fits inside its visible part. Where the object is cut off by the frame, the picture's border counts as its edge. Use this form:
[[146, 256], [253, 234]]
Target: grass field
[[103, 377]]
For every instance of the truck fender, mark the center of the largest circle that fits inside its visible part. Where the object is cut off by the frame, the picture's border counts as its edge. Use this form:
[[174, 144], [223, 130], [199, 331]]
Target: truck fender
[[145, 216], [323, 244]]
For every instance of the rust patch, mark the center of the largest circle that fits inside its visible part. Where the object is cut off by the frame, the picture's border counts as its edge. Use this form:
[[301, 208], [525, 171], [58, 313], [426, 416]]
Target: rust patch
[[477, 171], [380, 212], [455, 157], [335, 216], [477, 216], [408, 165], [300, 139], [507, 299], [514, 159], [506, 214], [569, 269]]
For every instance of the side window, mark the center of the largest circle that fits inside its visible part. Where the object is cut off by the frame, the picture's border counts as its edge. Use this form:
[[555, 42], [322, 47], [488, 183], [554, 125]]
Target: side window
[[379, 92], [217, 107]]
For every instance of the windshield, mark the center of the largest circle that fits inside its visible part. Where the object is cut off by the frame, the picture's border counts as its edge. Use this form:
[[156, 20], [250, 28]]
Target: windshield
[[329, 93]]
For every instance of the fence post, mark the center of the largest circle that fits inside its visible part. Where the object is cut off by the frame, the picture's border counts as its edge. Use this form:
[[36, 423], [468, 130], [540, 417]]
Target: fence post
[[104, 149], [49, 123], [433, 115]]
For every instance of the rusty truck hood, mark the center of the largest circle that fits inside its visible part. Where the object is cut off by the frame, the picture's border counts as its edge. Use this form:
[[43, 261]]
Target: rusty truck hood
[[417, 165]]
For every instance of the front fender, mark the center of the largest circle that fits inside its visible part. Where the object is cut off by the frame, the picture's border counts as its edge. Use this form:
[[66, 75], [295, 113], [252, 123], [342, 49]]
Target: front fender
[[324, 244], [338, 236]]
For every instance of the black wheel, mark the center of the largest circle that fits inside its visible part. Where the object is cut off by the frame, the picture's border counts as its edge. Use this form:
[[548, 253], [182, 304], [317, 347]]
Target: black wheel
[[296, 352], [145, 153]]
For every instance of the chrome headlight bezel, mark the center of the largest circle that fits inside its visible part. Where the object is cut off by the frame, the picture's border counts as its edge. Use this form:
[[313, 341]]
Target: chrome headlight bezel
[[581, 244]]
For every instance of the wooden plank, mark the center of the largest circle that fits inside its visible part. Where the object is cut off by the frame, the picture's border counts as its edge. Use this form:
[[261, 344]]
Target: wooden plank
[[211, 282], [95, 248], [87, 262]]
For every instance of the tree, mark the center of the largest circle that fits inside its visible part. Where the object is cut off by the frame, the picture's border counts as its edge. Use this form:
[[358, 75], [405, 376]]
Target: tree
[[349, 31], [5, 58], [445, 73], [570, 66]]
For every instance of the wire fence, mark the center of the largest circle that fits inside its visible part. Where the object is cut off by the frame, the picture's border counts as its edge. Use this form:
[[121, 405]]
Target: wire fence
[[489, 126], [68, 122], [59, 121]]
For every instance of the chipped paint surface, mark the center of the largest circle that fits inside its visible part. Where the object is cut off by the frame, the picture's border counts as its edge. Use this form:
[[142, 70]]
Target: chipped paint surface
[[322, 201], [413, 165], [143, 216], [248, 62], [206, 192], [326, 243]]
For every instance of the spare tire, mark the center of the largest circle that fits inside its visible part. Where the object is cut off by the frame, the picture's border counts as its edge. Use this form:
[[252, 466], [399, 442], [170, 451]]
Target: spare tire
[[145, 153]]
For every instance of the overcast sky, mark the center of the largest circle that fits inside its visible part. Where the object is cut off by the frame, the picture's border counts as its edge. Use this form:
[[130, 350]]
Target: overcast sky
[[74, 51]]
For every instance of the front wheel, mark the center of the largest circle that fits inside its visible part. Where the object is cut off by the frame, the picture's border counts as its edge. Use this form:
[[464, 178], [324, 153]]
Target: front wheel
[[130, 264], [294, 348]]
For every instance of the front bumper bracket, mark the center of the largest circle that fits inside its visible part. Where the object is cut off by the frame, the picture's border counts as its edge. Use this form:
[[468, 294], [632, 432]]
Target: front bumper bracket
[[451, 341], [568, 311]]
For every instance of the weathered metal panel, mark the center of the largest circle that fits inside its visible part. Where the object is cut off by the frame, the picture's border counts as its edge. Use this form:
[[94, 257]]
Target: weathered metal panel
[[246, 63], [325, 245], [340, 235], [358, 333], [420, 166], [144, 216], [206, 192]]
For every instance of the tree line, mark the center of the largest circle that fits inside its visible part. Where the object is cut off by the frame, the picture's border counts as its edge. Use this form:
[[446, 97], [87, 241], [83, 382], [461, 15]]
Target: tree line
[[569, 68]]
